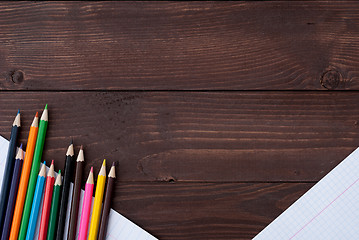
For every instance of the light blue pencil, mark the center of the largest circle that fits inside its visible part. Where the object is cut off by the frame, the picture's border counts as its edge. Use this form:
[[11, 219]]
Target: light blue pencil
[[35, 208]]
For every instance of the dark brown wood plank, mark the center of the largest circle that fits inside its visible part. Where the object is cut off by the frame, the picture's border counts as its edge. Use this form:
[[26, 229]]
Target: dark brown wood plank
[[179, 45], [205, 210], [189, 136]]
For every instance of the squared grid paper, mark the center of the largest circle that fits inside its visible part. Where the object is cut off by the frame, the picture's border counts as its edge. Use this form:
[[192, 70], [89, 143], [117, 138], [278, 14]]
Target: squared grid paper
[[118, 228], [329, 210]]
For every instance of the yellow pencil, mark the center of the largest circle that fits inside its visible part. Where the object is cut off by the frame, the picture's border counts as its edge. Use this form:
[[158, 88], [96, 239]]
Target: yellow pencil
[[97, 205]]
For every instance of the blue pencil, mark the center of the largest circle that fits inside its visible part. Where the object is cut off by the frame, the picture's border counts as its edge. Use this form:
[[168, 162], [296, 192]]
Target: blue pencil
[[9, 168], [35, 208], [13, 192]]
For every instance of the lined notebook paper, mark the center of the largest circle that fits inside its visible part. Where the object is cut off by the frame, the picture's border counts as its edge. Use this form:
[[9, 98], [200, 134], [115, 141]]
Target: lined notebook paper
[[329, 210], [119, 227]]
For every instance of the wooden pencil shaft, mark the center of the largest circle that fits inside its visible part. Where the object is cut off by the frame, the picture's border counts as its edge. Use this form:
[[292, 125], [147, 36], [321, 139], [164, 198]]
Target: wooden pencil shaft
[[9, 167], [75, 201], [106, 209], [40, 141], [12, 199], [64, 197]]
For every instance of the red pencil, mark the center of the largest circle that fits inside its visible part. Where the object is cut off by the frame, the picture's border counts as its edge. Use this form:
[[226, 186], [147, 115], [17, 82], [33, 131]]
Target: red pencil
[[50, 180]]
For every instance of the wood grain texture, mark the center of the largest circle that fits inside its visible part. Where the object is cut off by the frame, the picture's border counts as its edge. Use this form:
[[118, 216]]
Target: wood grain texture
[[184, 45], [205, 210], [192, 164], [189, 136]]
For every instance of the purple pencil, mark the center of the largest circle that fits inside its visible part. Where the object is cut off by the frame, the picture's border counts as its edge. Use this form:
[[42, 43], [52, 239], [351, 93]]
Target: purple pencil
[[19, 159]]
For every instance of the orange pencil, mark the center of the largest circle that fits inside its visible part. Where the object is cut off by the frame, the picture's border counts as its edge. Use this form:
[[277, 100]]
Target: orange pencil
[[24, 179]]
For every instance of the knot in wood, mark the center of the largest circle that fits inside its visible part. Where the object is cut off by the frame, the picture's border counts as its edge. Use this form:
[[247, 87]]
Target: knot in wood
[[17, 76], [331, 79]]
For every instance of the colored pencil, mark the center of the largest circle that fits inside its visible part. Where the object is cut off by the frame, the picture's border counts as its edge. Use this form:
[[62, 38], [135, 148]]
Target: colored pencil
[[97, 204], [65, 192], [13, 191], [33, 174], [54, 208], [50, 180], [9, 167], [41, 179], [76, 196], [86, 207], [25, 173], [107, 203]]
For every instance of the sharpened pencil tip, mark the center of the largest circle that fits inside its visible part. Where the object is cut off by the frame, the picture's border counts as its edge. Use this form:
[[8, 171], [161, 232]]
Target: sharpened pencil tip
[[18, 111], [44, 162], [90, 177], [103, 168], [20, 153], [70, 150], [72, 140], [51, 172], [112, 172], [45, 115], [58, 179], [35, 122], [80, 156], [17, 120], [82, 147], [42, 172]]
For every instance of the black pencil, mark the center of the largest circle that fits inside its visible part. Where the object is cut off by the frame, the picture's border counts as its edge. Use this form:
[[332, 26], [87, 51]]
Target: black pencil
[[65, 192], [9, 168], [19, 159], [107, 203], [76, 196]]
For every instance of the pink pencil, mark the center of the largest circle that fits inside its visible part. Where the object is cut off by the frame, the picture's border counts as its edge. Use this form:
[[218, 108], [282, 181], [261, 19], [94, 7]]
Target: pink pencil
[[86, 207]]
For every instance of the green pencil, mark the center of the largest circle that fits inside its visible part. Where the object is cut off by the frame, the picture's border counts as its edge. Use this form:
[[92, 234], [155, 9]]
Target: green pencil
[[33, 174], [54, 208]]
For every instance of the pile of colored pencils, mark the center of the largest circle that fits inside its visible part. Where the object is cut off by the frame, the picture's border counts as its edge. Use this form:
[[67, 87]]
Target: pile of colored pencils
[[28, 188]]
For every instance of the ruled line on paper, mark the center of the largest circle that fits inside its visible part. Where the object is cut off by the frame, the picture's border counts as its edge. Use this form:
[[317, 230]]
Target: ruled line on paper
[[329, 210]]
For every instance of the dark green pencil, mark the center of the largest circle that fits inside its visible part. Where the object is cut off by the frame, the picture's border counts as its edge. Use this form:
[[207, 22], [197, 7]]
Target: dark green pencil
[[54, 208]]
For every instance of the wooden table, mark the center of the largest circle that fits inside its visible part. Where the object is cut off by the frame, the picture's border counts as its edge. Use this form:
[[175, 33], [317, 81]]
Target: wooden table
[[218, 113]]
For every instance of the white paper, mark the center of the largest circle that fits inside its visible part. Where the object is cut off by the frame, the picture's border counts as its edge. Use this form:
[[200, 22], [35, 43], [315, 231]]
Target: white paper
[[118, 228], [329, 210]]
